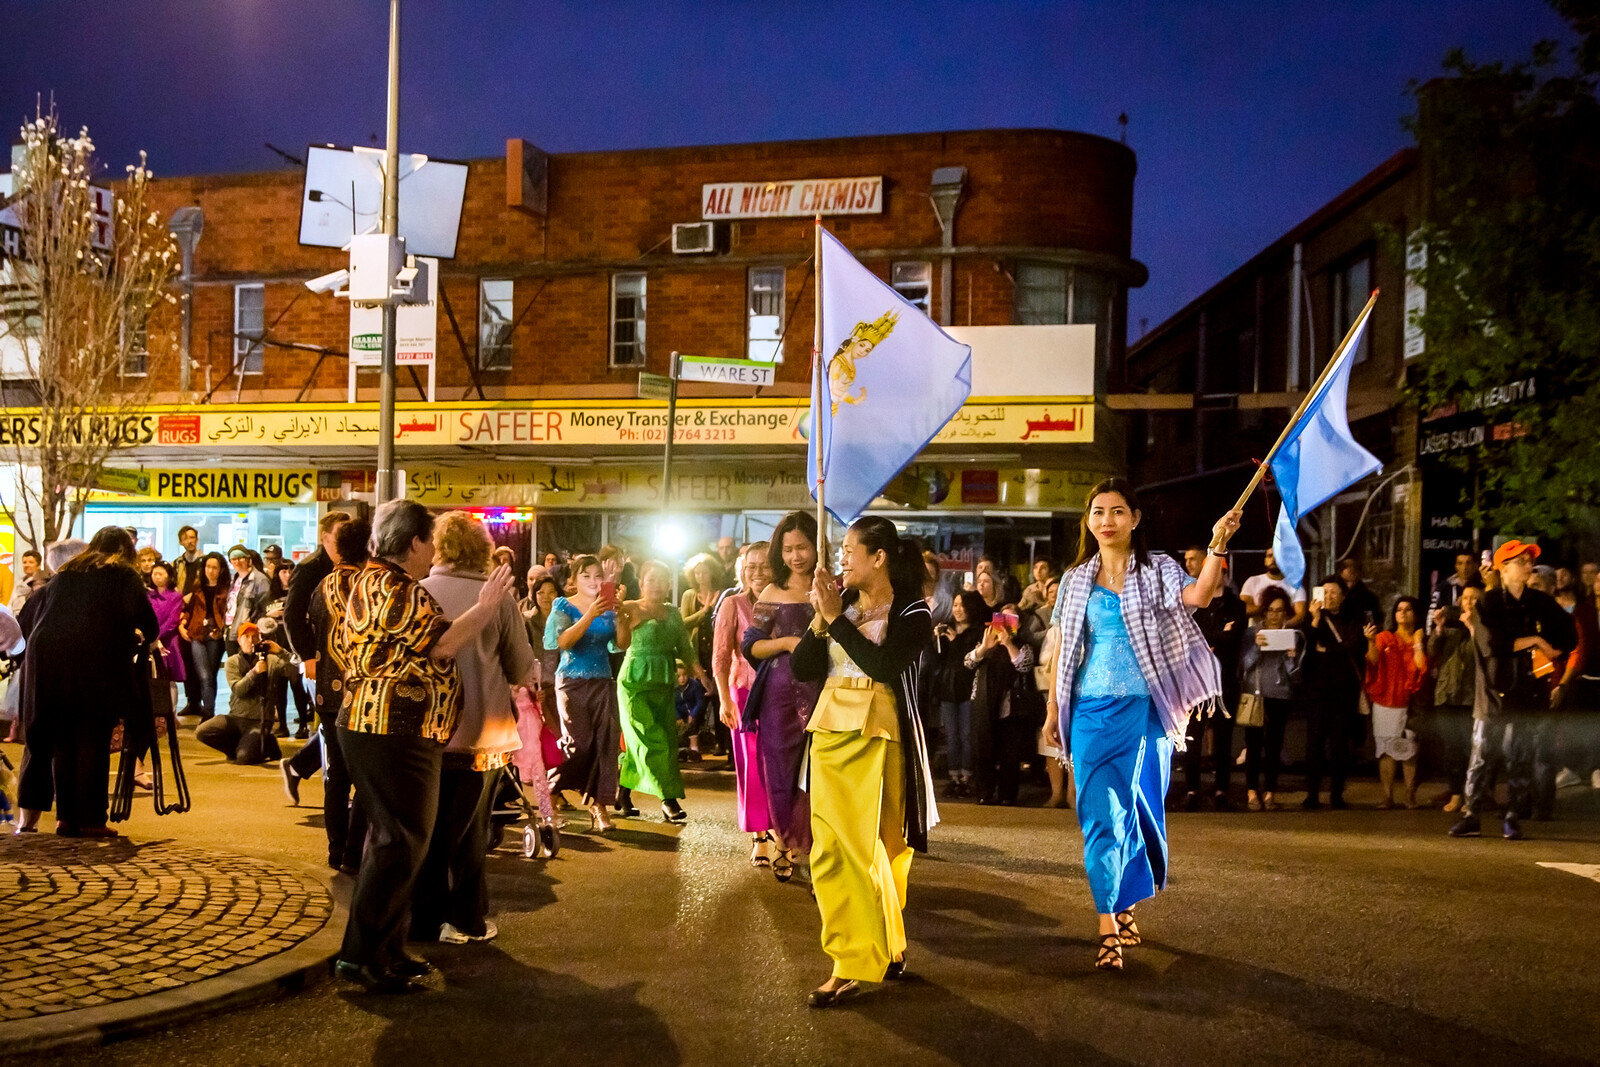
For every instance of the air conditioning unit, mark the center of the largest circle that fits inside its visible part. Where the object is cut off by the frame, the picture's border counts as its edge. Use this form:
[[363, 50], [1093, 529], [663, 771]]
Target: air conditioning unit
[[696, 238]]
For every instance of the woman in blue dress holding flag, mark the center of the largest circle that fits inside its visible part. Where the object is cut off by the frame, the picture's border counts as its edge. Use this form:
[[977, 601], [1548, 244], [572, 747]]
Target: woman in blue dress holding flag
[[1133, 667]]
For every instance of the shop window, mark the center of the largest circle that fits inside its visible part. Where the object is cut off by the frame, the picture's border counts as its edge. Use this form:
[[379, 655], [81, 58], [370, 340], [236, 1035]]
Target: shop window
[[627, 320], [1040, 295], [249, 327], [913, 280], [494, 323], [765, 314], [1352, 285]]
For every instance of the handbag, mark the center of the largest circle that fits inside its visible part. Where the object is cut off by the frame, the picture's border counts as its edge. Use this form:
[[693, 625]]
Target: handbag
[[1252, 710]]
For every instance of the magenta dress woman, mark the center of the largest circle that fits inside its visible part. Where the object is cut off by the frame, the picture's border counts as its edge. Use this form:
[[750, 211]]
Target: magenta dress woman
[[735, 675], [779, 704]]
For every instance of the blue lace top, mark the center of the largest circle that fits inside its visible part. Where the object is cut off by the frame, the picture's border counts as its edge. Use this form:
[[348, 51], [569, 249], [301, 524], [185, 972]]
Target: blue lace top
[[591, 656], [1109, 666]]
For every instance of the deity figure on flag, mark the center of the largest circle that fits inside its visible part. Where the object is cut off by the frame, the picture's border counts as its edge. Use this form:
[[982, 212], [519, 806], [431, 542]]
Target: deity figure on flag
[[842, 368]]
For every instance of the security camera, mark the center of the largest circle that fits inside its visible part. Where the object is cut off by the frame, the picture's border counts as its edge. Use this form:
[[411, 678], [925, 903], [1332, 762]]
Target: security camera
[[327, 283]]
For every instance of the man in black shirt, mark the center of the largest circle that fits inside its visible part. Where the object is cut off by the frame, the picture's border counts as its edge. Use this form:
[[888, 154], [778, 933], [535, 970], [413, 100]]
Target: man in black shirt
[[1335, 667], [1224, 624], [1518, 634], [1360, 603]]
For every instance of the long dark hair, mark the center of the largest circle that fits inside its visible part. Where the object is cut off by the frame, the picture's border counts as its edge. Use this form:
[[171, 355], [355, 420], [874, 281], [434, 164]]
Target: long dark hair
[[206, 590], [111, 546], [906, 572], [1416, 613], [803, 521], [1087, 545], [977, 609]]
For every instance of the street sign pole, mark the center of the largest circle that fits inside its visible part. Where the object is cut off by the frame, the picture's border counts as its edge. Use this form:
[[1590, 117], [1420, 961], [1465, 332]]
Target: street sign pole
[[386, 490], [675, 365], [672, 425]]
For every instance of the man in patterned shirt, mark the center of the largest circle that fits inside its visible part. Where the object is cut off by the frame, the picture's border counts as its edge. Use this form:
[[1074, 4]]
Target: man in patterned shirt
[[400, 707]]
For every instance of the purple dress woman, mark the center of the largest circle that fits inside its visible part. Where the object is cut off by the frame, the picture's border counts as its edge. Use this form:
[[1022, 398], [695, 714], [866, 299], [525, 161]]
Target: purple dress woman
[[784, 705]]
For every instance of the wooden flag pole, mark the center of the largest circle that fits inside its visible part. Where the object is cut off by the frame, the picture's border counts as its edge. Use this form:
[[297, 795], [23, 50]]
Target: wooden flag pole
[[819, 397], [1339, 356]]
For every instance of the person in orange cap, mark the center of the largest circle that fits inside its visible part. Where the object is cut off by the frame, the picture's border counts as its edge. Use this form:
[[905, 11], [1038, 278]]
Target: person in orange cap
[[1518, 633]]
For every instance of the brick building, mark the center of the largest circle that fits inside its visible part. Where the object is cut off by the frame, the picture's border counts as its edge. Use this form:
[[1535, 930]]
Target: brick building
[[565, 285], [1210, 389]]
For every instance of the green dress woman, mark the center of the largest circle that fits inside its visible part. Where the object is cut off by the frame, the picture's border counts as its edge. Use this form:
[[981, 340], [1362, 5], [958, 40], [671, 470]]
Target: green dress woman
[[647, 693]]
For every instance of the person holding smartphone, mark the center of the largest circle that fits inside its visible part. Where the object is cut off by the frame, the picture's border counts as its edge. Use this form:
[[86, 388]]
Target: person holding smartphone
[[1267, 664], [586, 628], [1001, 724], [1335, 670]]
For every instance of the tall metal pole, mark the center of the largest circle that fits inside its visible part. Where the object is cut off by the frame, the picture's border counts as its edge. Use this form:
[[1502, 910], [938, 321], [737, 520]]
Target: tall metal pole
[[674, 365], [391, 226], [819, 396]]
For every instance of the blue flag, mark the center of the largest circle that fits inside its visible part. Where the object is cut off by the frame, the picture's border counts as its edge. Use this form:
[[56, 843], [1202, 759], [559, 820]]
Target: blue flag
[[891, 379], [1318, 459]]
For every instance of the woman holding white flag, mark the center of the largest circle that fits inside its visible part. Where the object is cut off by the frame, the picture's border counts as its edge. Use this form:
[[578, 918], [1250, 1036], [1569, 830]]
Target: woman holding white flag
[[1133, 666], [867, 765]]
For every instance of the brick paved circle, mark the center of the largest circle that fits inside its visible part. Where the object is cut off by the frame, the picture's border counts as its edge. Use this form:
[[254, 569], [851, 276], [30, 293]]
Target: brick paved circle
[[86, 923]]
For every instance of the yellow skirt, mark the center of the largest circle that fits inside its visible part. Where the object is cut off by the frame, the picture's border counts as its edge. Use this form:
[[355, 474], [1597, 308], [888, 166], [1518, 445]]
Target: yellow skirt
[[859, 857]]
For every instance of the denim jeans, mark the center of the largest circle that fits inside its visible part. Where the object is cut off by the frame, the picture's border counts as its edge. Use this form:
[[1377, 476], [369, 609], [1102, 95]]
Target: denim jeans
[[207, 659], [956, 719]]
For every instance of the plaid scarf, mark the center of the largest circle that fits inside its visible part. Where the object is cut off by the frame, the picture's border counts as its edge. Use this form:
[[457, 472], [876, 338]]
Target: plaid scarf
[[1178, 666]]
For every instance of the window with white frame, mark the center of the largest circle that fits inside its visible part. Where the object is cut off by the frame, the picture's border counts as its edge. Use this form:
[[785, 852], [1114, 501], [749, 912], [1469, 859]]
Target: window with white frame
[[765, 315], [136, 346], [913, 280], [627, 320], [249, 327], [494, 323], [1352, 284], [1041, 297]]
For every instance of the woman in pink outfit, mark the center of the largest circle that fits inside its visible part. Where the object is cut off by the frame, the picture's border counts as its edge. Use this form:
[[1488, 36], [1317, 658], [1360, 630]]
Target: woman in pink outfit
[[734, 675]]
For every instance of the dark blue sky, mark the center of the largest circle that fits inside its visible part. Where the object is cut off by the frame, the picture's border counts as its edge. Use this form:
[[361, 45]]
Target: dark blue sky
[[1246, 116]]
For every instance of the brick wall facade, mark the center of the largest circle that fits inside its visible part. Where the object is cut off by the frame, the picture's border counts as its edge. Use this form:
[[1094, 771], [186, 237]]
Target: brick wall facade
[[1053, 195]]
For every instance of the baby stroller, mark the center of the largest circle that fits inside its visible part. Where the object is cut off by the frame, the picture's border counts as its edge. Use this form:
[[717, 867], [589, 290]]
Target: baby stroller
[[540, 840]]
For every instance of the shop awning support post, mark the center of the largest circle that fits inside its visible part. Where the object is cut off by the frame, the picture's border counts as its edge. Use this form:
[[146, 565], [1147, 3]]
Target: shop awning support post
[[386, 490]]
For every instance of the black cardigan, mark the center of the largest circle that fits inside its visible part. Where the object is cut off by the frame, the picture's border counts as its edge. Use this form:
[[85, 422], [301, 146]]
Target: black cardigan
[[894, 663]]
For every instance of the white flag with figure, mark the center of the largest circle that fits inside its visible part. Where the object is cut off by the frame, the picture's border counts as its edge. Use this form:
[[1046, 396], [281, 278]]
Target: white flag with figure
[[891, 379]]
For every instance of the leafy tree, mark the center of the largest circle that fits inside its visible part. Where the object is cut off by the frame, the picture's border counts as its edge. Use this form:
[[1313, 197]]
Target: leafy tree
[[81, 268], [1510, 155]]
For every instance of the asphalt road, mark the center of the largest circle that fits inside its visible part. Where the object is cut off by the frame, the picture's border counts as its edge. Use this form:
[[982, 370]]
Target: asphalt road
[[1357, 937]]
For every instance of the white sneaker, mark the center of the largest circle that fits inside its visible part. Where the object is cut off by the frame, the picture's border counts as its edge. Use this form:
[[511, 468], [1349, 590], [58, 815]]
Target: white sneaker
[[1566, 779], [1594, 780], [449, 935]]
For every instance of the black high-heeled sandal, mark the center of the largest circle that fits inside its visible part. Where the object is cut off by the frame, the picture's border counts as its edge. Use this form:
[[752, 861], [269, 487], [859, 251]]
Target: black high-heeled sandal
[[782, 865], [1109, 957], [827, 998], [1127, 929], [759, 860], [896, 970]]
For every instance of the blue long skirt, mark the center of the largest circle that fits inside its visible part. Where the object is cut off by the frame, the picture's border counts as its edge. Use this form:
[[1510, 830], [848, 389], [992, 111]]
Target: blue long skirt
[[1122, 763]]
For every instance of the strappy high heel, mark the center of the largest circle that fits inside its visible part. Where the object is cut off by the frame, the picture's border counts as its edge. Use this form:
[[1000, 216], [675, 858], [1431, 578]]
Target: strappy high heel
[[758, 856], [1127, 929], [782, 865], [598, 821], [1109, 958]]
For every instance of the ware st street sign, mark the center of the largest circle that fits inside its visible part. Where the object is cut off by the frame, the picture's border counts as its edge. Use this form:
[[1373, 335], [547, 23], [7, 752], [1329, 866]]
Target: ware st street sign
[[725, 371]]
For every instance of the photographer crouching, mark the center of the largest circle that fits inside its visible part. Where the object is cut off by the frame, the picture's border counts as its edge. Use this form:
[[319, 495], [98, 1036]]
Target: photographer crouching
[[255, 676]]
